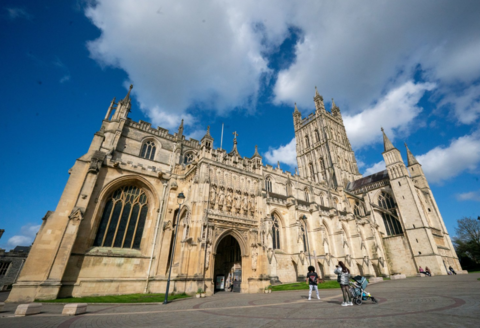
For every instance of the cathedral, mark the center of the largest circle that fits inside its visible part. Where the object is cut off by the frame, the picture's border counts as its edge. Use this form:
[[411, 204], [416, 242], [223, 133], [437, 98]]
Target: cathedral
[[142, 203]]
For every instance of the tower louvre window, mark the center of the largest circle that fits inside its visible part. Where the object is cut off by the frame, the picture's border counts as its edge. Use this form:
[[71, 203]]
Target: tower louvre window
[[148, 150], [188, 158], [392, 225], [123, 219]]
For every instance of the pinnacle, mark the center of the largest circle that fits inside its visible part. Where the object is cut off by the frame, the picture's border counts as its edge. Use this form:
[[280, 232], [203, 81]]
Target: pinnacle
[[411, 159], [387, 144]]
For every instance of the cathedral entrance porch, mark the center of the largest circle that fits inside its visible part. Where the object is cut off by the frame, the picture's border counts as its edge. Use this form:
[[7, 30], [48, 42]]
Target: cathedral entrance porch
[[228, 265]]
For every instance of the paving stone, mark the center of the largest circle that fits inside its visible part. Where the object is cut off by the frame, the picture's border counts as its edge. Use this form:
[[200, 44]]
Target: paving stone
[[439, 301]]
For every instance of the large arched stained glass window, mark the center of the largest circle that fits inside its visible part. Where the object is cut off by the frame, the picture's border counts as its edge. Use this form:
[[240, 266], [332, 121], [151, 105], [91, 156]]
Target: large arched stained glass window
[[275, 232], [148, 150], [123, 219], [392, 225]]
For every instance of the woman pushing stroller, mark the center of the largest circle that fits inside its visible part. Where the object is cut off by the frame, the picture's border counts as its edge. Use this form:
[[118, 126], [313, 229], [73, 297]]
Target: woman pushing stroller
[[344, 279]]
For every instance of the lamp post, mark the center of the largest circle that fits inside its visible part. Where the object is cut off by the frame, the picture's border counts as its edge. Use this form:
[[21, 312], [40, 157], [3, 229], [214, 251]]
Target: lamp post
[[304, 218], [180, 199]]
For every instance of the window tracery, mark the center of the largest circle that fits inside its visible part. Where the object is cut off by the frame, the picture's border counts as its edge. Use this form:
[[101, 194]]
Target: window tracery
[[148, 150], [275, 232], [123, 219]]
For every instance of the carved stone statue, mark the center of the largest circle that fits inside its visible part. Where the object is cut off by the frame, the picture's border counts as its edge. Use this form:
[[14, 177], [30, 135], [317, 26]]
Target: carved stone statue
[[221, 199], [252, 204], [245, 203], [238, 202], [213, 194], [229, 199], [254, 259]]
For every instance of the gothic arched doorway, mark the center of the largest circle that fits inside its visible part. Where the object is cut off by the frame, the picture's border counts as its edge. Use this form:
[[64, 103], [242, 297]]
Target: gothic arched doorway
[[228, 264]]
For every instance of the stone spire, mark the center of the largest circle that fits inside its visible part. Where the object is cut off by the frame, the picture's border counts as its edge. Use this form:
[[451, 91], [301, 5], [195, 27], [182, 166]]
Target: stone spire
[[387, 144], [410, 158], [234, 150], [296, 111], [318, 99], [207, 139], [256, 154], [127, 97], [180, 130], [335, 109]]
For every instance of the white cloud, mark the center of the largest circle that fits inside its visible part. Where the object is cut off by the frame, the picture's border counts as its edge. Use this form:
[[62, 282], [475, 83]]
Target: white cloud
[[212, 54], [14, 13], [466, 106], [26, 236], [65, 78], [473, 195], [394, 112], [285, 154], [377, 167], [443, 163]]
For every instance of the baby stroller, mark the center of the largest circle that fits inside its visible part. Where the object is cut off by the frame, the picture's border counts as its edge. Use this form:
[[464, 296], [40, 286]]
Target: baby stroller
[[357, 289]]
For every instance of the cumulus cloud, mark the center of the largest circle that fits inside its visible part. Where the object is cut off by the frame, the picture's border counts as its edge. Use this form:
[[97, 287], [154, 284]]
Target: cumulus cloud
[[214, 55], [473, 195], [443, 163], [26, 236], [377, 167], [466, 106], [394, 112], [286, 154]]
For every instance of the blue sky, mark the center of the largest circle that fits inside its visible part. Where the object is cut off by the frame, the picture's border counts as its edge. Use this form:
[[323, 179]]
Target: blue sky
[[410, 67]]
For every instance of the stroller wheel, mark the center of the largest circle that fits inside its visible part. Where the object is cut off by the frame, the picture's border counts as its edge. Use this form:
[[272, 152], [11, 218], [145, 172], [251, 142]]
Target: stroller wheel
[[357, 301], [374, 300]]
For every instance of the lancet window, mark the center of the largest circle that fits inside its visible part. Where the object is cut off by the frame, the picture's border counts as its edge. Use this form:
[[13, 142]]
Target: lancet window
[[304, 229], [317, 136], [148, 150], [392, 225], [268, 184], [275, 232], [123, 219], [307, 142]]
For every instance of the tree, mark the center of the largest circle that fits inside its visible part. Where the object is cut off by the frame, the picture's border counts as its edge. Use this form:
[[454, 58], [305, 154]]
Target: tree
[[467, 241]]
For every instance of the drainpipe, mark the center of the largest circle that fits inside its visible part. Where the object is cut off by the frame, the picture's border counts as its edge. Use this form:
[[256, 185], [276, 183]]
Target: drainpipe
[[155, 239]]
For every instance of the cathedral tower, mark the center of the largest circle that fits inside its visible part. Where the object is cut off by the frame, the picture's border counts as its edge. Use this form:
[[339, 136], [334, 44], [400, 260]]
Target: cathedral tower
[[324, 153]]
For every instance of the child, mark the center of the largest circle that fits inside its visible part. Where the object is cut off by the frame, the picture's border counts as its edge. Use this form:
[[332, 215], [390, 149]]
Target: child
[[312, 281]]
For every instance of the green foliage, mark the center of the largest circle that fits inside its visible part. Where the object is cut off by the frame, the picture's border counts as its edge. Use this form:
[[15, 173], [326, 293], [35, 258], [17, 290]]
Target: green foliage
[[467, 242], [302, 285], [199, 291], [131, 298]]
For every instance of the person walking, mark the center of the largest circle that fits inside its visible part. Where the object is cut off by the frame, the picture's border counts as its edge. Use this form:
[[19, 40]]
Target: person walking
[[312, 281], [344, 279]]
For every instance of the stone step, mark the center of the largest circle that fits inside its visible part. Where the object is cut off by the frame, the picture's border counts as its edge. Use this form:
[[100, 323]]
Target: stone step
[[74, 309], [28, 309]]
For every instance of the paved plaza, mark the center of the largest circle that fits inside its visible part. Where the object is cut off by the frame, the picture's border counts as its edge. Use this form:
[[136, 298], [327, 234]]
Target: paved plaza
[[446, 301]]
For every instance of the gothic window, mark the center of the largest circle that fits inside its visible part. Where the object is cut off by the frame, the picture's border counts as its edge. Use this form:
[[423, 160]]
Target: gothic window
[[307, 142], [275, 232], [304, 229], [357, 208], [392, 225], [322, 164], [148, 150], [307, 196], [4, 267], [268, 184], [317, 136], [123, 219], [188, 158], [312, 172]]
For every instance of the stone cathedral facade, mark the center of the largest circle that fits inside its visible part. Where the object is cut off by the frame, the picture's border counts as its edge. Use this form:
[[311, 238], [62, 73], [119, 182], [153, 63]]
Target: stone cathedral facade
[[113, 229]]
